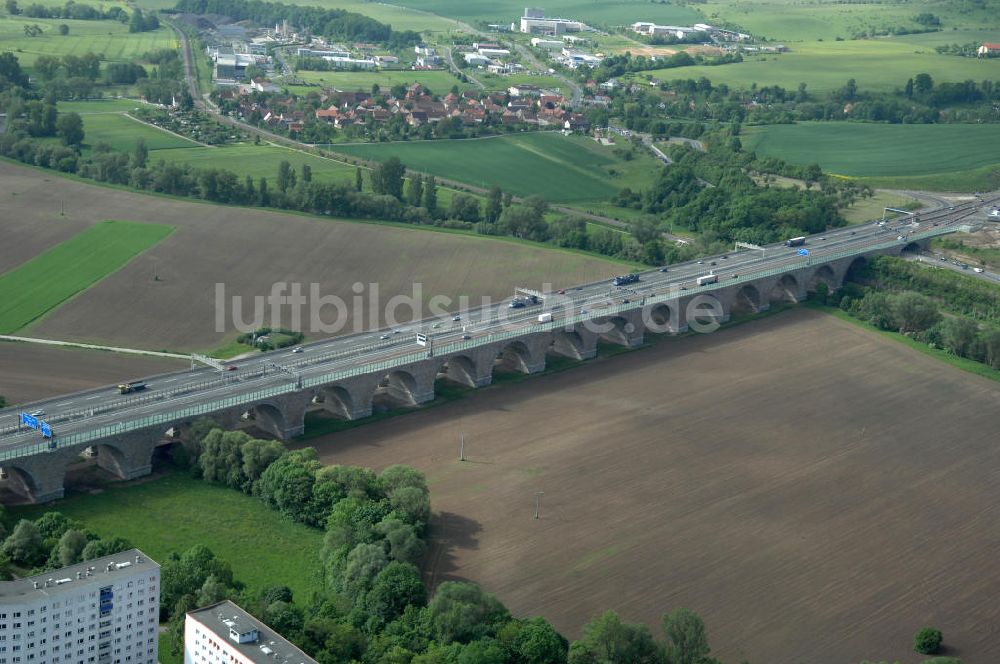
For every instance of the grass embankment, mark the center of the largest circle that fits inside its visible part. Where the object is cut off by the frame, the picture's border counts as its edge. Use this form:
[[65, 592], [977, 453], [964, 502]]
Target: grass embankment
[[172, 513], [46, 281], [888, 155]]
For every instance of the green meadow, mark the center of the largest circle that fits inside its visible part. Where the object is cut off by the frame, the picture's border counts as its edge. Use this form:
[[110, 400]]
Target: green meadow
[[562, 169], [256, 541], [110, 38], [877, 65], [121, 132], [46, 281], [939, 156]]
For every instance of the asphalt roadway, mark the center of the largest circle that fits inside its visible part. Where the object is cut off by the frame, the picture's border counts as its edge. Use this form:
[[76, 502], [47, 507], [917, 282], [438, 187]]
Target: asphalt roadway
[[89, 410]]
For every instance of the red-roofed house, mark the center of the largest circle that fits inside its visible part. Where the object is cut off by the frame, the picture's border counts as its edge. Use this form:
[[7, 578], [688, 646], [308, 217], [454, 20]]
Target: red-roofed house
[[988, 49]]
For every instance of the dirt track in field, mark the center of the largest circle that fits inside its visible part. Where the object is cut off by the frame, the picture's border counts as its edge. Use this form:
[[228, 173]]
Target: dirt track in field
[[248, 250], [31, 371], [816, 492]]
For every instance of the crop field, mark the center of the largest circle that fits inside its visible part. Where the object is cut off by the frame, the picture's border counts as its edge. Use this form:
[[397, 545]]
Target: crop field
[[34, 371], [248, 250], [880, 150], [110, 38], [121, 132], [784, 478], [876, 65], [44, 282], [257, 161], [794, 20], [562, 169], [610, 13], [438, 81], [182, 520], [108, 106]]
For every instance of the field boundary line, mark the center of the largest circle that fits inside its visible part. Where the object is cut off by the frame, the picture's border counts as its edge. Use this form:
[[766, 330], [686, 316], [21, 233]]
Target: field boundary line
[[73, 344], [165, 130]]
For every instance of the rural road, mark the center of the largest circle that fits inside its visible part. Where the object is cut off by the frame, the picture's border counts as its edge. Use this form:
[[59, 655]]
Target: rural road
[[71, 344]]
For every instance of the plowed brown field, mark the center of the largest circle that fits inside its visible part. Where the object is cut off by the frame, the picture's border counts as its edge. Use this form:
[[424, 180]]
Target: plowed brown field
[[29, 372], [815, 491], [247, 250]]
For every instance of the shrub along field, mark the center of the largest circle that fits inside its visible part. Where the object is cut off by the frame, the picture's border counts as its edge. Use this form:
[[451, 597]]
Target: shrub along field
[[561, 169], [44, 282], [880, 150]]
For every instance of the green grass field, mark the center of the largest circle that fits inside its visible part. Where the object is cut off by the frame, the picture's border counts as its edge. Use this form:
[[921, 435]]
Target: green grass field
[[608, 13], [562, 169], [945, 151], [121, 132], [438, 81], [99, 106], [108, 37], [256, 160], [876, 65], [44, 282], [173, 513]]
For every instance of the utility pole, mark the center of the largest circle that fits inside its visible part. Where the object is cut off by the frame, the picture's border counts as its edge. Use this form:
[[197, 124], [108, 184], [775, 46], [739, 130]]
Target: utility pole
[[461, 453], [538, 500]]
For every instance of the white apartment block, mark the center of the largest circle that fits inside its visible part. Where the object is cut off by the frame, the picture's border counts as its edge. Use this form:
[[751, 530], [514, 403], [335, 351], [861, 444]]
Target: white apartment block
[[224, 633], [103, 611]]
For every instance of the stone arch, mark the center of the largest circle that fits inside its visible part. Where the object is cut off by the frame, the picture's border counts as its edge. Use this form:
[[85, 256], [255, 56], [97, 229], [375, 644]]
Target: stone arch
[[823, 275], [269, 418], [460, 369], [401, 386], [21, 481], [663, 317], [859, 263], [516, 356], [747, 299], [621, 330], [575, 343], [338, 401], [785, 289]]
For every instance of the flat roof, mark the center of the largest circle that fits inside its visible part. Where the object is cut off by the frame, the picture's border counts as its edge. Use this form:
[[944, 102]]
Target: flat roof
[[91, 572], [268, 648]]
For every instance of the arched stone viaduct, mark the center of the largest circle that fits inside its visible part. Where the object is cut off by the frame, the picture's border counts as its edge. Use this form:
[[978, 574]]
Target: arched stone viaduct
[[40, 476]]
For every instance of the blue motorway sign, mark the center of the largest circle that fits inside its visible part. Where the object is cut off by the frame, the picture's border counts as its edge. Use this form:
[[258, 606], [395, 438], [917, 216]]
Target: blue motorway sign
[[45, 429], [803, 252], [29, 421]]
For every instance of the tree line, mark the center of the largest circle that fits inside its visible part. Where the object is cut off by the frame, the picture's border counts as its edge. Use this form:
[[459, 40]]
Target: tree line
[[940, 308]]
